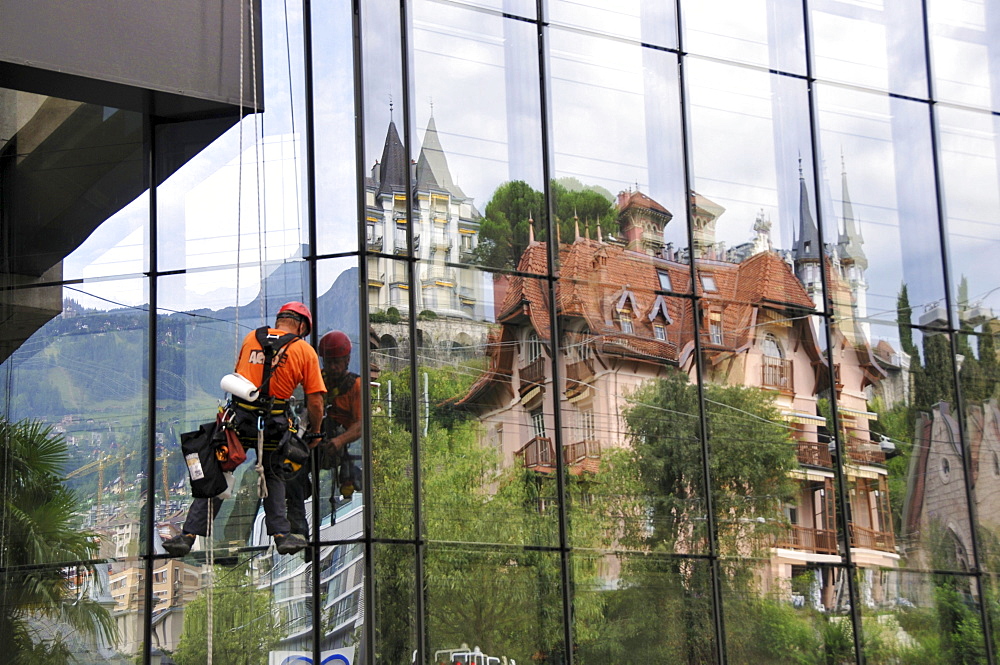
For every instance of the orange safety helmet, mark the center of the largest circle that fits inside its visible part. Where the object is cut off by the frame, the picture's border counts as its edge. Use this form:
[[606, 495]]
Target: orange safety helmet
[[334, 344], [297, 310]]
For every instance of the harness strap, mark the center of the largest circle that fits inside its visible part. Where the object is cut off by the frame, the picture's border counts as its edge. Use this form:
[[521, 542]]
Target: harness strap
[[271, 345]]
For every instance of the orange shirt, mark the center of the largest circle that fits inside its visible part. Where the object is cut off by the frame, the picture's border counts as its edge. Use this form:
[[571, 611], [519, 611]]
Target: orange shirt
[[345, 408], [297, 364]]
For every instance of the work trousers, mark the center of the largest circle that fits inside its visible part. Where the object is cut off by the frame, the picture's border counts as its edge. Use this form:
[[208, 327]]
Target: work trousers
[[275, 513]]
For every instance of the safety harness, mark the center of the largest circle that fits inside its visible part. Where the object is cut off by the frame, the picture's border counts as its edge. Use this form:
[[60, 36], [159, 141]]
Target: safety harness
[[267, 406]]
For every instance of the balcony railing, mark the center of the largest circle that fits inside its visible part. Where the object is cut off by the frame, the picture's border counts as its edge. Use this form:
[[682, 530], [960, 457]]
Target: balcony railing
[[813, 453], [776, 373], [538, 454], [533, 374], [871, 539], [821, 541], [374, 243], [864, 451], [574, 453], [580, 371]]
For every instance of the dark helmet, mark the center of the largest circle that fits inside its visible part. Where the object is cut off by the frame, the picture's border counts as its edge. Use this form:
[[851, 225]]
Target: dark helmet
[[334, 344], [297, 310]]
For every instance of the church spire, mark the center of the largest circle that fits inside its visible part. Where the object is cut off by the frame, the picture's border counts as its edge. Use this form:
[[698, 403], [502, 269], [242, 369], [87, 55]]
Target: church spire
[[850, 241], [806, 247]]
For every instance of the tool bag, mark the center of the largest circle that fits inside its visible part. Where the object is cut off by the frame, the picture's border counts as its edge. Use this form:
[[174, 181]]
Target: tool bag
[[204, 469], [228, 448]]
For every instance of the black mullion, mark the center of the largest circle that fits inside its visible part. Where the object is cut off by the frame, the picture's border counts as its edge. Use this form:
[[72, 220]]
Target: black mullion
[[368, 635], [977, 571], [413, 282], [718, 619], [149, 144], [552, 247], [309, 170], [849, 567]]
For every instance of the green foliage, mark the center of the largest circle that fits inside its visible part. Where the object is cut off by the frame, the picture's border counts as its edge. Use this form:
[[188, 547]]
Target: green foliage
[[243, 620], [897, 424], [791, 637], [751, 453], [41, 536], [444, 386], [838, 641], [427, 315], [904, 315], [503, 232]]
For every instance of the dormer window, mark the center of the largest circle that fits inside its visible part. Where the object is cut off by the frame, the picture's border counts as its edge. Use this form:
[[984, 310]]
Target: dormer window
[[532, 347], [708, 283], [625, 319], [665, 281], [715, 327], [660, 332]]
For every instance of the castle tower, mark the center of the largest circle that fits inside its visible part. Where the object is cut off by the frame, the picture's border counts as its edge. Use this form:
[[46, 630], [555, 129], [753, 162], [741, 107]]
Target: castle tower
[[853, 261], [641, 221], [704, 215], [807, 255]]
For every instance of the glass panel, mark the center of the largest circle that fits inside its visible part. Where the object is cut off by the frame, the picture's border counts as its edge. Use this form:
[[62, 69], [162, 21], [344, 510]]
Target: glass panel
[[750, 145], [761, 32], [870, 44], [336, 162], [964, 50], [617, 143], [393, 609], [972, 196], [920, 618], [391, 426], [791, 602], [645, 21], [478, 174], [75, 443], [342, 470], [883, 216], [73, 177], [503, 603], [660, 613], [241, 200], [475, 436]]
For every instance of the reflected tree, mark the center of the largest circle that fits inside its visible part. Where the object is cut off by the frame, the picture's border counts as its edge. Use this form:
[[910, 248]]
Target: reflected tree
[[41, 536], [244, 625]]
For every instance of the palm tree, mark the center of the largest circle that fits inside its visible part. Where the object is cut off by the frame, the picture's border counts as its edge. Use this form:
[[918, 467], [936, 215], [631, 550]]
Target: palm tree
[[39, 540]]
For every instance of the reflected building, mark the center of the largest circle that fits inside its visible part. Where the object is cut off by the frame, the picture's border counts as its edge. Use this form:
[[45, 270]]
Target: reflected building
[[625, 318], [445, 228]]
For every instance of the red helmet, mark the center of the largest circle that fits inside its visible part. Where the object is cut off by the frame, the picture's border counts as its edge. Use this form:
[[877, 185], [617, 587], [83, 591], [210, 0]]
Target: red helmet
[[300, 311], [334, 344]]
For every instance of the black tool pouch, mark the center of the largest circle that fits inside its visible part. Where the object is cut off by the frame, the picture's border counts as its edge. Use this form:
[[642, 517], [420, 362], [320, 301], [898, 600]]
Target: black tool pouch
[[204, 470]]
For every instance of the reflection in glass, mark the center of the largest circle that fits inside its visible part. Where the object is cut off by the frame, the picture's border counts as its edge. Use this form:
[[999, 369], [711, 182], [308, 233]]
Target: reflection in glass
[[392, 610], [76, 210], [74, 442], [661, 613], [643, 21], [870, 45], [963, 45], [921, 617], [761, 32], [506, 603], [882, 227], [752, 173], [972, 201]]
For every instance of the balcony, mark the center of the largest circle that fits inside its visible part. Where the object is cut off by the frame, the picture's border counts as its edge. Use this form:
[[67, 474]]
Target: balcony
[[864, 451], [441, 243], [776, 373], [582, 455], [533, 374], [820, 541], [538, 454], [578, 373], [374, 243], [400, 244], [813, 453], [871, 539]]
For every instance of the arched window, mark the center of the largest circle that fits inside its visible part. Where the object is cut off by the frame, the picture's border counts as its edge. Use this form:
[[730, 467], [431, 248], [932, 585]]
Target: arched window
[[771, 347]]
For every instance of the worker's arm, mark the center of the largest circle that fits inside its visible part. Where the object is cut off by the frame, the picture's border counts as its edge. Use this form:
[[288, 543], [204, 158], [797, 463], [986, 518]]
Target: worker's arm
[[315, 406], [352, 433]]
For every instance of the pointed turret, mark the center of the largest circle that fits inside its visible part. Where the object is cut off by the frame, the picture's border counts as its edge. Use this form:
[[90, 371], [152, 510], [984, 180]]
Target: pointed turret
[[806, 247], [392, 167], [432, 165], [850, 240]]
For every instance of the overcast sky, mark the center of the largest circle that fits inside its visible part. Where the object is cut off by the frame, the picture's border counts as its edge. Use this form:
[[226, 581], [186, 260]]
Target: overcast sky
[[615, 122]]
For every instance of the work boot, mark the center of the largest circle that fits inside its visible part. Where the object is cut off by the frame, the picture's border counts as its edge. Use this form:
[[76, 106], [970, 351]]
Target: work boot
[[179, 545], [289, 543]]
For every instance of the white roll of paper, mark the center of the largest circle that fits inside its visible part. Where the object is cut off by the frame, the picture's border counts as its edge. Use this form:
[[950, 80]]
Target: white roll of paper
[[239, 386]]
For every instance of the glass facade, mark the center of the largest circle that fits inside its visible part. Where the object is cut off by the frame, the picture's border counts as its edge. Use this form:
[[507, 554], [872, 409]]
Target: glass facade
[[675, 325]]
